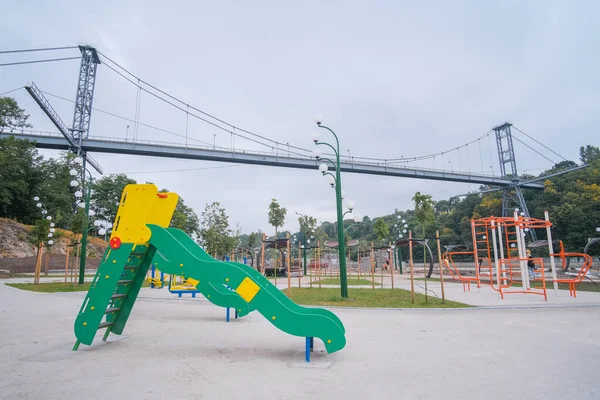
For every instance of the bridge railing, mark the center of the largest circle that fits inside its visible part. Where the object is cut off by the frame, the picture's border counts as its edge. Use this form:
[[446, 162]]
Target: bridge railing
[[354, 161]]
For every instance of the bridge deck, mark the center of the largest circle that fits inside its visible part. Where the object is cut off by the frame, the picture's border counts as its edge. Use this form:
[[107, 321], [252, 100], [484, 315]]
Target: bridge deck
[[174, 150]]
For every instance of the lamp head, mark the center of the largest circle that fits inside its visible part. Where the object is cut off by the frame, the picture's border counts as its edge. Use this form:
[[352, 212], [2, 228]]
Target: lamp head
[[323, 168], [318, 119], [317, 153], [315, 137], [331, 180], [350, 205]]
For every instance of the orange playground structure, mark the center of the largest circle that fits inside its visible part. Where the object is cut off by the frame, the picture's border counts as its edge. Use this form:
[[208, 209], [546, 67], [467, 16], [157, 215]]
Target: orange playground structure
[[502, 259]]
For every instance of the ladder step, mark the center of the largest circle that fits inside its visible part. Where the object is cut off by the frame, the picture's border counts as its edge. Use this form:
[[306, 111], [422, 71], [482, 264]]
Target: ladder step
[[104, 325], [111, 309], [124, 281], [131, 267], [117, 296]]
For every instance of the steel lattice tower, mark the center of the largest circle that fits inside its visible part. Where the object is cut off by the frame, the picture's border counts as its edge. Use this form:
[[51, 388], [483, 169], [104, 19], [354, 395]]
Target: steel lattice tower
[[513, 196], [85, 95]]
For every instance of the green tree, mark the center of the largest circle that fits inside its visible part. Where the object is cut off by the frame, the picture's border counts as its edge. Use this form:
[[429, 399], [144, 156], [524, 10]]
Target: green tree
[[588, 154], [381, 229], [20, 179], [276, 215], [11, 115], [308, 226], [214, 231], [106, 194], [185, 218], [253, 239], [424, 213]]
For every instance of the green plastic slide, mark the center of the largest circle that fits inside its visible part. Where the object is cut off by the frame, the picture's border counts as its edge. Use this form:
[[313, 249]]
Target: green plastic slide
[[187, 259], [216, 293]]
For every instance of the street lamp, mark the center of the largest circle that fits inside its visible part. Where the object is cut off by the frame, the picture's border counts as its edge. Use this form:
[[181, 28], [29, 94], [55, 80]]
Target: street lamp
[[79, 193], [41, 245], [398, 256], [335, 182]]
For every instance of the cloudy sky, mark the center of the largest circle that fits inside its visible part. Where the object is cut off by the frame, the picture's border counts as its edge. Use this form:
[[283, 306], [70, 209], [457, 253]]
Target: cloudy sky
[[392, 78]]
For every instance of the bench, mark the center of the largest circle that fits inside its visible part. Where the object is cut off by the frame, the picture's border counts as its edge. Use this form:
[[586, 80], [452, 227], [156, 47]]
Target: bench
[[580, 275]]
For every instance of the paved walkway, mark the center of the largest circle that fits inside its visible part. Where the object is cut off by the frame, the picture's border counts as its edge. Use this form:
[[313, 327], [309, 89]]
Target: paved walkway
[[184, 349]]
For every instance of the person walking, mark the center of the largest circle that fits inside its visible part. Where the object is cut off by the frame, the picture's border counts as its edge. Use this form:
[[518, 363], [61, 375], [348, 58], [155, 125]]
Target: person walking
[[530, 265]]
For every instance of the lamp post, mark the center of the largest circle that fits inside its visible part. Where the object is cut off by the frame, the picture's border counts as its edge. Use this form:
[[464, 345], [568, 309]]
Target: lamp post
[[41, 244], [336, 182], [86, 206]]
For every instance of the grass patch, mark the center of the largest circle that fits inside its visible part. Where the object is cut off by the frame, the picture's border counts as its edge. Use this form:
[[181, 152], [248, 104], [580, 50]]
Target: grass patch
[[585, 286], [380, 298], [52, 287], [57, 287], [58, 276], [580, 287], [351, 281]]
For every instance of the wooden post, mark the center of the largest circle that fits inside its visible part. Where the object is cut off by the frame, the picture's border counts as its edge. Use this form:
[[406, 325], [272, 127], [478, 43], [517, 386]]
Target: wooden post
[[372, 266], [410, 252], [262, 255], [38, 264], [390, 255], [310, 282], [437, 238], [358, 259], [67, 263], [287, 236], [382, 276], [46, 263]]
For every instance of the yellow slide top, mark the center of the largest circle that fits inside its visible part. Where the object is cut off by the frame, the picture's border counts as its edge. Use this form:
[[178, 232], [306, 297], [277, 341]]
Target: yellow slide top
[[142, 204]]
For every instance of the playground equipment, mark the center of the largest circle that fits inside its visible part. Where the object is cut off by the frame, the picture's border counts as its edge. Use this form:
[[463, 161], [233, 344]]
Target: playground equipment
[[279, 266], [179, 285], [504, 261], [156, 279], [140, 237]]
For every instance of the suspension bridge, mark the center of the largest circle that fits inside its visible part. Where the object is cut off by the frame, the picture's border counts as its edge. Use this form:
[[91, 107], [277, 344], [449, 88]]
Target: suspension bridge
[[77, 138]]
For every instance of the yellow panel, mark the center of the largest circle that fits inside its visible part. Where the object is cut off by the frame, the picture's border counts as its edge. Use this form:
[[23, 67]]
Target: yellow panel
[[247, 289], [164, 207], [136, 203], [192, 282]]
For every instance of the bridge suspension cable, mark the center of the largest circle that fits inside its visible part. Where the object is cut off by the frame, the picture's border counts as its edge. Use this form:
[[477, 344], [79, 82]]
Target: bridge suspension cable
[[38, 49], [243, 133], [128, 119], [540, 143], [232, 127], [39, 61]]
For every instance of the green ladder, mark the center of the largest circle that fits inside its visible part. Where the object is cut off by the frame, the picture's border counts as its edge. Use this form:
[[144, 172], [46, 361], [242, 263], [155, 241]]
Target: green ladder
[[113, 292]]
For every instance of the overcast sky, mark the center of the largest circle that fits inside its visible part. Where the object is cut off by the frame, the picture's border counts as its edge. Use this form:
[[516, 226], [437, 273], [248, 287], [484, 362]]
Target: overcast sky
[[392, 78]]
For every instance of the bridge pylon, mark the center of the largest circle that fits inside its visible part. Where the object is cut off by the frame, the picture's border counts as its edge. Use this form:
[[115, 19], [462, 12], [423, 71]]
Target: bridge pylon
[[512, 196]]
